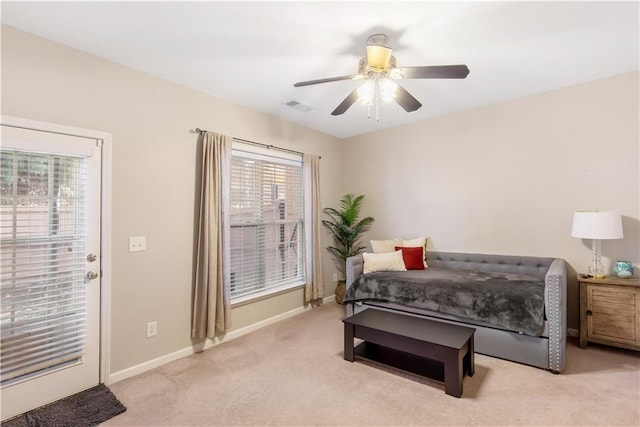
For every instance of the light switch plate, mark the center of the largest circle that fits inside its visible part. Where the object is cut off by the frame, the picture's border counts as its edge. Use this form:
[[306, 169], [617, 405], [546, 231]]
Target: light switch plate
[[137, 243]]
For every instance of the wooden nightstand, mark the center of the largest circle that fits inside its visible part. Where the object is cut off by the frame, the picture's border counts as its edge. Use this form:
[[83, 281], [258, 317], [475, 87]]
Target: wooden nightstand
[[610, 311]]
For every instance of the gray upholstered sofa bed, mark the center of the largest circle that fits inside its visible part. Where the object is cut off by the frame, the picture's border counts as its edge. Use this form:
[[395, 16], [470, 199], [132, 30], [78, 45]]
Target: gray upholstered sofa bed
[[544, 348]]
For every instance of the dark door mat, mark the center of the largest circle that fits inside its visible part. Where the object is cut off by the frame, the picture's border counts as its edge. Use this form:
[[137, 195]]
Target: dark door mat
[[87, 408]]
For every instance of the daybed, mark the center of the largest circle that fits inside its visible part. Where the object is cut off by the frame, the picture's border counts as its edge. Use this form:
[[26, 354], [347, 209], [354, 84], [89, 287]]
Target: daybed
[[517, 304]]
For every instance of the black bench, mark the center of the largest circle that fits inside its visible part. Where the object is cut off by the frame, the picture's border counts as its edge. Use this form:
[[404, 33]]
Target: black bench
[[440, 351]]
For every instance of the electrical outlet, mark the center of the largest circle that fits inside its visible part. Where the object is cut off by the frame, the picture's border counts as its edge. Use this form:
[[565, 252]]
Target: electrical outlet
[[152, 329], [137, 243]]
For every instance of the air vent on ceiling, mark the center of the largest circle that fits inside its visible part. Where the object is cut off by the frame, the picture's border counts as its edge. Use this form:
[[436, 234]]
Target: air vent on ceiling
[[298, 105]]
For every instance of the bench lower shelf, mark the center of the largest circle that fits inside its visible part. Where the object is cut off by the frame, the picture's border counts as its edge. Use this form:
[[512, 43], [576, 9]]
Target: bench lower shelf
[[429, 369]]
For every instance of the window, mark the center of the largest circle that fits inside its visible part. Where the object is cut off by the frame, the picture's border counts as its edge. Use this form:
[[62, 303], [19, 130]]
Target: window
[[266, 221], [42, 231]]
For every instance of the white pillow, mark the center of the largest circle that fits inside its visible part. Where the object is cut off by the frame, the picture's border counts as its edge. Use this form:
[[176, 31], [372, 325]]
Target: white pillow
[[391, 261], [416, 243], [385, 246]]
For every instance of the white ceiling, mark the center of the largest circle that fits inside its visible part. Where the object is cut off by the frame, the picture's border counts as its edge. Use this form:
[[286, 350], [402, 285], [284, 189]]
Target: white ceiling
[[251, 53]]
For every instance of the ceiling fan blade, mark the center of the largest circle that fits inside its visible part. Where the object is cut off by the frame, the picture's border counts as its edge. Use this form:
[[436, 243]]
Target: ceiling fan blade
[[435, 72], [346, 103], [406, 100], [327, 80]]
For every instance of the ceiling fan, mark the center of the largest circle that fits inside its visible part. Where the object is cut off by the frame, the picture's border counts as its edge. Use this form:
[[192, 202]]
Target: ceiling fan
[[379, 72]]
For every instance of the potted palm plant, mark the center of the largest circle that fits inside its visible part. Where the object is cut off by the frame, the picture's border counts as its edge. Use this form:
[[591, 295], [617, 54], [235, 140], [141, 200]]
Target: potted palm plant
[[346, 228]]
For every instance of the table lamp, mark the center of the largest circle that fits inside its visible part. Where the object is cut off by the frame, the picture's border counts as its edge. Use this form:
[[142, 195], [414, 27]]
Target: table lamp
[[597, 225]]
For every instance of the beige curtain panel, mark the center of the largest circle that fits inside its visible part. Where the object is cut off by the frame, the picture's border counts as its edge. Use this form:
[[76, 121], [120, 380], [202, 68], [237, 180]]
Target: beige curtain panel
[[314, 288], [211, 302]]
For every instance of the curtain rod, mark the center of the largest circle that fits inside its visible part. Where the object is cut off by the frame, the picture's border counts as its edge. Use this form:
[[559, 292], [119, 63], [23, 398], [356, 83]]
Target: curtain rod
[[267, 146]]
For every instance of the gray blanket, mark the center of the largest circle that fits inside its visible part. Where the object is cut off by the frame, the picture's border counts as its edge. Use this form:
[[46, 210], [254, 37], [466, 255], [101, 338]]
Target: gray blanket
[[509, 301]]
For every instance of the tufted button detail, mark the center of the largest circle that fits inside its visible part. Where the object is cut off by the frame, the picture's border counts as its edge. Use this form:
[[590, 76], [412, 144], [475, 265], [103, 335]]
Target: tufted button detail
[[501, 263], [540, 265], [485, 262], [520, 264]]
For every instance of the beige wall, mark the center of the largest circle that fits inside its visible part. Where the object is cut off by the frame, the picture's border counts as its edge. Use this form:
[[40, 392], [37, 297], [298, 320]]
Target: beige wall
[[154, 178], [507, 178]]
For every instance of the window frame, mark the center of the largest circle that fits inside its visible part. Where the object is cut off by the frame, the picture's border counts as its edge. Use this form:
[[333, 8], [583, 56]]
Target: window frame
[[266, 154]]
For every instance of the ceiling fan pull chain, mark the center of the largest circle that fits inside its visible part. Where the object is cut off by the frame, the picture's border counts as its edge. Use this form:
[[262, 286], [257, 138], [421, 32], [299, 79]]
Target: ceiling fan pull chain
[[377, 98]]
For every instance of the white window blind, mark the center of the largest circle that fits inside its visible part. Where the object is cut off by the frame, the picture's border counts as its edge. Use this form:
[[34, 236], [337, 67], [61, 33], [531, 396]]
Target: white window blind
[[42, 236], [266, 220]]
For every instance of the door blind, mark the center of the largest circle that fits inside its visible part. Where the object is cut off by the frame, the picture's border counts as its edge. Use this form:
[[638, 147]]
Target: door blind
[[266, 218], [42, 235]]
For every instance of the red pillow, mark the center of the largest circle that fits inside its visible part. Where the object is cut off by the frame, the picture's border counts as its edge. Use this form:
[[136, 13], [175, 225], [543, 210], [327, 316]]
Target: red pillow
[[413, 257]]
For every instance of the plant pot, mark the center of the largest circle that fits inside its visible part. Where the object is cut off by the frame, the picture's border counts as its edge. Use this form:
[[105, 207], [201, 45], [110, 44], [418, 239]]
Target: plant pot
[[341, 288]]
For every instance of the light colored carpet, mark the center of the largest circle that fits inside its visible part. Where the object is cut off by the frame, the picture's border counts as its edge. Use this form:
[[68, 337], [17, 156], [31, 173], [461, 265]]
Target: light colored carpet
[[292, 374]]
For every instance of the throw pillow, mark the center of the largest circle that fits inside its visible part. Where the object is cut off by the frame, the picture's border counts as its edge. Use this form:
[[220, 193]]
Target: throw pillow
[[384, 246], [413, 257], [391, 261], [417, 242], [412, 243]]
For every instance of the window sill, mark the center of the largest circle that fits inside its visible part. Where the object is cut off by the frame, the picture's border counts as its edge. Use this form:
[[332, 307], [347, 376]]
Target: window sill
[[267, 293]]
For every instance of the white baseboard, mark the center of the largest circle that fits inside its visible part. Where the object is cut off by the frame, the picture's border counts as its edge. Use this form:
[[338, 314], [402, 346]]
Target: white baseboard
[[207, 344]]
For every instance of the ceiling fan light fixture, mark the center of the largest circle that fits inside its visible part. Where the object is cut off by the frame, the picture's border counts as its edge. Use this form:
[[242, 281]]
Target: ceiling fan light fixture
[[378, 57], [388, 90], [377, 89], [395, 74], [366, 91]]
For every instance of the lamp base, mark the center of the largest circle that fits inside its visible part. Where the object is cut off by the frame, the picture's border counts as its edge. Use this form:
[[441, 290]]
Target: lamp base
[[596, 269]]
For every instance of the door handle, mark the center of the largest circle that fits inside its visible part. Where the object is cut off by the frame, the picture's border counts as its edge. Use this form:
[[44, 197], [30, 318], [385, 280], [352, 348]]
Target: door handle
[[91, 275], [91, 257]]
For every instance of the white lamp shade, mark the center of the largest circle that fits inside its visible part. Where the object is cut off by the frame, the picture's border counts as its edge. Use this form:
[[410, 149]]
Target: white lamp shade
[[597, 225]]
